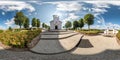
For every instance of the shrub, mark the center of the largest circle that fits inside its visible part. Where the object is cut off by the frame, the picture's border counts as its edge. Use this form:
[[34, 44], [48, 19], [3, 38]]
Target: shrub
[[1, 31], [118, 35], [18, 39]]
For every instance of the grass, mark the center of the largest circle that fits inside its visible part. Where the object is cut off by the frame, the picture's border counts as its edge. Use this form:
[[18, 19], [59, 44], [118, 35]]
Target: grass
[[89, 32], [18, 39]]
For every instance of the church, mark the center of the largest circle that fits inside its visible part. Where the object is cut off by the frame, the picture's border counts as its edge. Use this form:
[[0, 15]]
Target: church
[[55, 24]]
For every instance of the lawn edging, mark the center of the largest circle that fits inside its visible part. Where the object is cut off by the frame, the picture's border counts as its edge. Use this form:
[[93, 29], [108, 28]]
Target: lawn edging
[[34, 42]]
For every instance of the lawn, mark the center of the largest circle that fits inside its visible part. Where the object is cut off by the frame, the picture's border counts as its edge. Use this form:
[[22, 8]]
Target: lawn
[[90, 32]]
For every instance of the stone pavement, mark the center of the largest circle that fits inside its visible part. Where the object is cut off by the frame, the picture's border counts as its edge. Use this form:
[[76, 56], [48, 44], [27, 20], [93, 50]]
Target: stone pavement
[[56, 42], [96, 44], [90, 48]]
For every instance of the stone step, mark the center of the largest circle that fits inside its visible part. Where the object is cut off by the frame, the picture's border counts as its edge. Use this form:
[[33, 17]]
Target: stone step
[[58, 36], [56, 33]]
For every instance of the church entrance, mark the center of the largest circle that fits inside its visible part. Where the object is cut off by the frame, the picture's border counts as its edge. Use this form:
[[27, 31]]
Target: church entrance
[[56, 27]]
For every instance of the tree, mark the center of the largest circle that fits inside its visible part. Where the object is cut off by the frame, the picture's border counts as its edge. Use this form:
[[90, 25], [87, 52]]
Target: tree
[[10, 28], [75, 24], [19, 18], [68, 24], [89, 20], [26, 23], [43, 25], [46, 26], [81, 23], [38, 23], [34, 23]]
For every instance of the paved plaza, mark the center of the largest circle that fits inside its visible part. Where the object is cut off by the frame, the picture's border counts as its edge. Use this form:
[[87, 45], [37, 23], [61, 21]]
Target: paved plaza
[[56, 46]]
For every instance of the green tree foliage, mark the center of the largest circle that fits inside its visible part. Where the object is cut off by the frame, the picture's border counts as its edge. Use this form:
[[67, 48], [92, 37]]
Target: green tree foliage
[[10, 29], [34, 23], [75, 24], [89, 20], [46, 26], [19, 18], [43, 25], [38, 23], [68, 24], [26, 23], [81, 23]]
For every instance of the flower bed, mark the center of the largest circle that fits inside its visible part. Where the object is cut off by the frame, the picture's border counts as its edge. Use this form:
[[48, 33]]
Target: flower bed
[[18, 39]]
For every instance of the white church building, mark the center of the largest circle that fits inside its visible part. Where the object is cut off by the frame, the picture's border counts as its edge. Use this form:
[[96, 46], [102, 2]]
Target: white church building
[[55, 24]]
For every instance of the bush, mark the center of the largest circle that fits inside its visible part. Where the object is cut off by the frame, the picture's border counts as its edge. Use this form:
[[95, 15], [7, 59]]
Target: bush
[[18, 39], [118, 35], [1, 31]]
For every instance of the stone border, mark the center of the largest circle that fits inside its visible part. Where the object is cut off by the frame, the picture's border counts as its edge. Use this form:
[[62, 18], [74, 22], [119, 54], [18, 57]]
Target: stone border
[[58, 33], [59, 38], [34, 41]]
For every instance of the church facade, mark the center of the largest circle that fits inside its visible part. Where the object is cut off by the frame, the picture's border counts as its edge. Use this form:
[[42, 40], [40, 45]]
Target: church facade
[[55, 24]]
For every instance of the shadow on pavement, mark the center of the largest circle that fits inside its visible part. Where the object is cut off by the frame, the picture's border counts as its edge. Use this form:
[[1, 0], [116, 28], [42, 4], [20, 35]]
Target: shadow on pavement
[[85, 43]]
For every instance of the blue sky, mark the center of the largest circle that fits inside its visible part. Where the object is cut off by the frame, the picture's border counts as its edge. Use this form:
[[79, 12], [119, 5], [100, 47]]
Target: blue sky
[[107, 13]]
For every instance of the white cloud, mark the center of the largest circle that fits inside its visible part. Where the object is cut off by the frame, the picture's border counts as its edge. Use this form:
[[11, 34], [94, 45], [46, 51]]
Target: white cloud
[[71, 16], [111, 25], [3, 13], [67, 6], [100, 6], [104, 4], [10, 22], [15, 5], [36, 2], [99, 10]]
